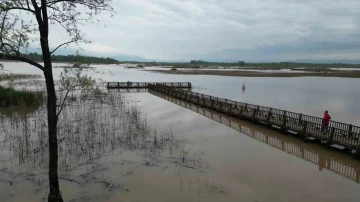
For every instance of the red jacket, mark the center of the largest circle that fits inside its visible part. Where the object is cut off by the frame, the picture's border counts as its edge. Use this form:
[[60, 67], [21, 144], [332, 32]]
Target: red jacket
[[326, 118]]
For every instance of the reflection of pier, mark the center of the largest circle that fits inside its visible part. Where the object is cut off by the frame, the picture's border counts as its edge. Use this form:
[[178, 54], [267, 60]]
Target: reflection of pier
[[337, 163], [336, 134]]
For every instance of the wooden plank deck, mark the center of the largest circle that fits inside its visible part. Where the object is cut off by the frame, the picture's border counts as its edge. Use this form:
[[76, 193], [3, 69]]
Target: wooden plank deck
[[341, 134], [129, 84]]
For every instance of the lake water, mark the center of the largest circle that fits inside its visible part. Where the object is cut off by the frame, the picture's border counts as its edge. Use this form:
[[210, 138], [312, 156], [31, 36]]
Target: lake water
[[307, 95], [231, 69], [240, 161]]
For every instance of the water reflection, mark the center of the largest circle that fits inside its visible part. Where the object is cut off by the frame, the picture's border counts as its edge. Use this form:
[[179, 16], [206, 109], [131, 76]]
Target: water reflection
[[333, 161]]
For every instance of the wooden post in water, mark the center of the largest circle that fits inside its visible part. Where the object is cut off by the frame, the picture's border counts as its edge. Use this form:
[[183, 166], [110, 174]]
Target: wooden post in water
[[241, 111], [220, 105], [300, 119], [304, 130], [225, 105], [254, 114], [269, 117], [357, 153], [350, 133], [246, 110], [283, 125], [331, 136]]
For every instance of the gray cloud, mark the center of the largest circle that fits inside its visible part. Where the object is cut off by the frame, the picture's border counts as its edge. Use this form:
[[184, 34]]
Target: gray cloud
[[228, 29]]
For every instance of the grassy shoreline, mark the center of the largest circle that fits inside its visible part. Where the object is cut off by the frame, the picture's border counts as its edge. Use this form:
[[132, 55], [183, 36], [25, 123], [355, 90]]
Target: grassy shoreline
[[10, 97], [343, 74], [8, 77]]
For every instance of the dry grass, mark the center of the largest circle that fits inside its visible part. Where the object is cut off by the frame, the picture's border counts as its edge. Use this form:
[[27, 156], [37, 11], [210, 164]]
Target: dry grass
[[92, 127], [8, 77]]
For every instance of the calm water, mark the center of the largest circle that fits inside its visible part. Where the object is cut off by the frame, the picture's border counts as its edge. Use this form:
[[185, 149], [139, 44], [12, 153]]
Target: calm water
[[307, 95], [254, 163], [242, 161]]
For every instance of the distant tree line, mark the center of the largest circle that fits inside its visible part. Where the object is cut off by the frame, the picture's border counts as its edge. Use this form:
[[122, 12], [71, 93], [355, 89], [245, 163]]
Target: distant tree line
[[243, 64], [192, 64], [201, 62], [73, 58]]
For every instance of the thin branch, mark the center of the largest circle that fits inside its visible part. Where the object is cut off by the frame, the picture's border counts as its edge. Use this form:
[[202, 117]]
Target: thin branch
[[66, 95], [69, 42], [11, 47], [50, 3], [21, 59], [21, 8], [28, 4], [89, 3]]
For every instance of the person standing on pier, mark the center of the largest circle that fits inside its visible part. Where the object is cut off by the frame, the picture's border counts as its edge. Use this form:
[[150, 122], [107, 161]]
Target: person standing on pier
[[325, 121]]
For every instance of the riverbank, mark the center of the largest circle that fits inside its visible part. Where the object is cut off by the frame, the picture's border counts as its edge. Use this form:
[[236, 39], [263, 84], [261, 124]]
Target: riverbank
[[342, 74]]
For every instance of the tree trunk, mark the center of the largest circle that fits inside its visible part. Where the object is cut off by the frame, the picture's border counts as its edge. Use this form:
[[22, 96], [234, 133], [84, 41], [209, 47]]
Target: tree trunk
[[54, 195]]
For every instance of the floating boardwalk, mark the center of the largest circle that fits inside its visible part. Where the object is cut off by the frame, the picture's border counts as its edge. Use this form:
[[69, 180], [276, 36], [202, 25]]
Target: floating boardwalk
[[346, 167], [130, 84], [338, 135]]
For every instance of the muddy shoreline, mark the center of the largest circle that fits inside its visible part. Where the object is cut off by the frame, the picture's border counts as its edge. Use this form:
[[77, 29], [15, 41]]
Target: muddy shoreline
[[347, 74]]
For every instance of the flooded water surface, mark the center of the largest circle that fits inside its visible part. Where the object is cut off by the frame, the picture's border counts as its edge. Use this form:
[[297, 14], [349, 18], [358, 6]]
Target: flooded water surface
[[147, 146]]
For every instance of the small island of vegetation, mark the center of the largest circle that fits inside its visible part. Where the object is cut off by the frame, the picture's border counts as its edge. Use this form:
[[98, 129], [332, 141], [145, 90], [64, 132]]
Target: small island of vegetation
[[10, 97]]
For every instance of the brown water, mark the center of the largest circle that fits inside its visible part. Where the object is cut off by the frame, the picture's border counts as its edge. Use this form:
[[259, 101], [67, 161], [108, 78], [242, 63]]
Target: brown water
[[246, 162], [108, 150]]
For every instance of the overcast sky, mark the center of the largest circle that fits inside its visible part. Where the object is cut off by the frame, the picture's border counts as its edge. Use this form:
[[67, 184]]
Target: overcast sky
[[250, 30]]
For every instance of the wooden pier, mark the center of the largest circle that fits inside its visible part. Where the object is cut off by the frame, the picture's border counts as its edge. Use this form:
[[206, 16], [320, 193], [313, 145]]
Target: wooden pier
[[345, 167], [130, 84], [339, 135]]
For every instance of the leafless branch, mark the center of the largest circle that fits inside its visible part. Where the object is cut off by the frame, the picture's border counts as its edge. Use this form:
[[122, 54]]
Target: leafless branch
[[62, 105], [64, 44], [24, 9], [21, 59]]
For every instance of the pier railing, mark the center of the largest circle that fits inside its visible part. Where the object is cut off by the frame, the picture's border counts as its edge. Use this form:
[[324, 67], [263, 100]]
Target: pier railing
[[345, 167], [130, 84], [337, 134]]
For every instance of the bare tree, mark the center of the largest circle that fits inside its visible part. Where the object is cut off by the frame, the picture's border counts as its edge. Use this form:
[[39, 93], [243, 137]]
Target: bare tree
[[22, 19]]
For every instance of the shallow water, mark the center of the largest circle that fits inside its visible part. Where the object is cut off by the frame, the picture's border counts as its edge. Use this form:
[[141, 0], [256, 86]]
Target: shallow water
[[224, 159], [346, 69], [253, 163]]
